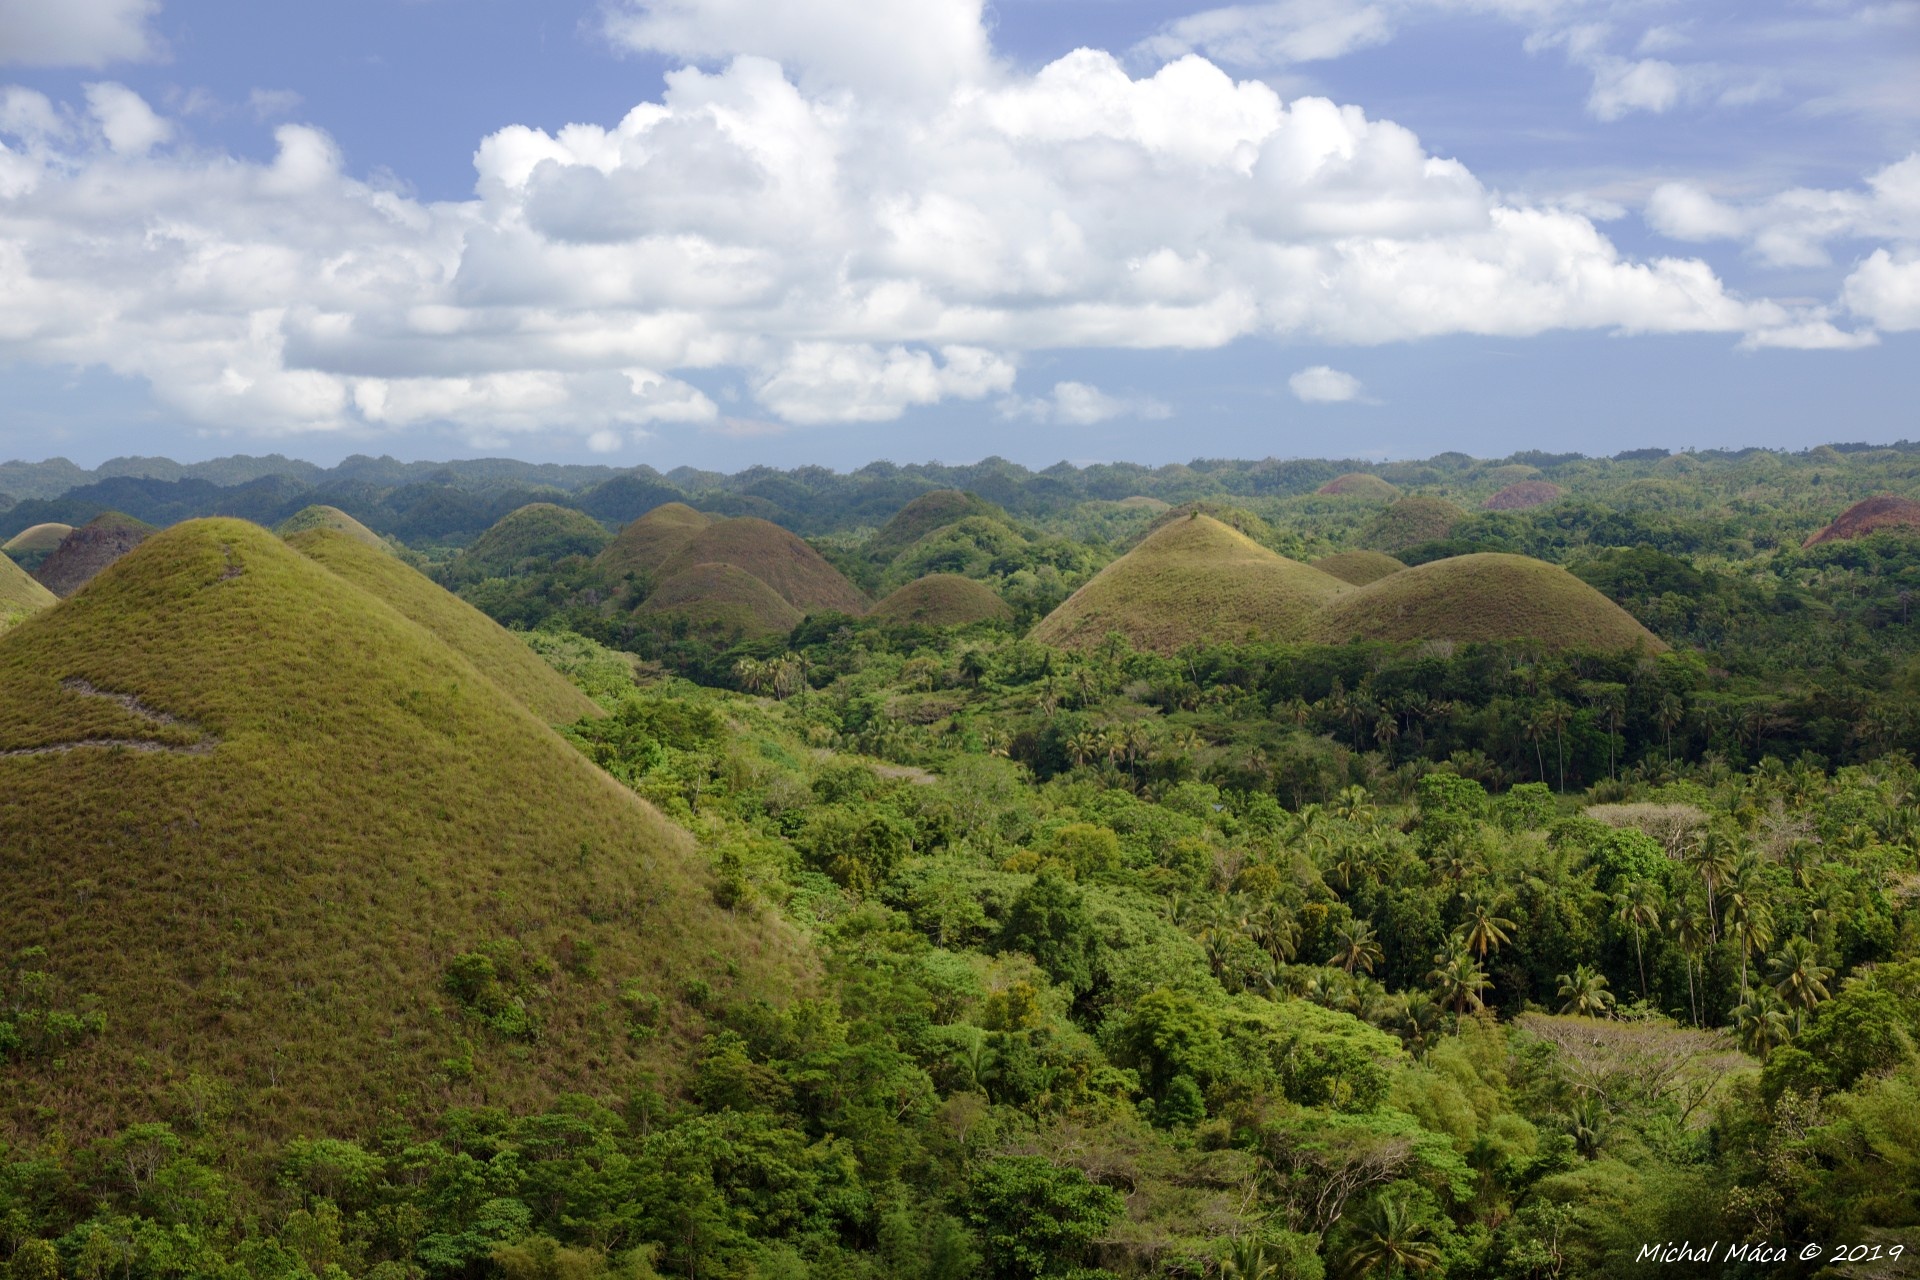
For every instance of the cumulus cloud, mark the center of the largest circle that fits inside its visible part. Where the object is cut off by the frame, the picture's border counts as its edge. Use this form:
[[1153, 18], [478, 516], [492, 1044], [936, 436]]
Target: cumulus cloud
[[1885, 289], [838, 250], [1321, 384], [1794, 228], [75, 33], [1081, 404]]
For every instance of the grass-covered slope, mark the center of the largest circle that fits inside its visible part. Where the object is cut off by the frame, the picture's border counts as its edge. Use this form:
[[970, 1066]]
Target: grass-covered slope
[[529, 538], [89, 549], [644, 544], [922, 516], [1883, 513], [29, 547], [1193, 580], [1523, 494], [943, 600], [1359, 567], [20, 595], [722, 597], [320, 516], [796, 572], [1483, 597], [496, 652], [1409, 522], [271, 916], [1360, 484]]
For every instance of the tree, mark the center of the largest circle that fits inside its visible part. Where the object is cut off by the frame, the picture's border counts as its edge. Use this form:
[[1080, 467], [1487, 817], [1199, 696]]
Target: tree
[[1798, 977], [1484, 931], [1389, 1239], [1761, 1021], [1048, 920], [1037, 1219], [1355, 947], [1638, 907], [1689, 931], [1584, 992], [1457, 980]]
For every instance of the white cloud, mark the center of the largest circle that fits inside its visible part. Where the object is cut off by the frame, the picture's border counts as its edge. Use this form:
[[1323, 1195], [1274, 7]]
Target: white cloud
[[75, 33], [1885, 289], [1081, 404], [842, 254], [1272, 35], [1793, 228], [1323, 385]]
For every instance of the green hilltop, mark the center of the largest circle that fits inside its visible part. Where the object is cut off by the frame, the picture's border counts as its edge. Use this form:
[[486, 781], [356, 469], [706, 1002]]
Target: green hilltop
[[320, 516], [20, 595], [943, 600], [646, 543], [796, 572], [1409, 522], [333, 874], [722, 598], [32, 545], [922, 516], [1359, 567], [527, 539]]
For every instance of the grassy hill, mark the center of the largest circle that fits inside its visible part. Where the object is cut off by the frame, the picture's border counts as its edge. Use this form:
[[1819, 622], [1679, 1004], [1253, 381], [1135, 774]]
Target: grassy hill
[[32, 545], [1360, 484], [1523, 494], [20, 595], [1195, 579], [645, 544], [723, 598], [89, 549], [922, 516], [529, 538], [1409, 522], [1482, 597], [796, 572], [943, 600], [324, 517], [1883, 513], [344, 881], [1359, 567], [494, 651]]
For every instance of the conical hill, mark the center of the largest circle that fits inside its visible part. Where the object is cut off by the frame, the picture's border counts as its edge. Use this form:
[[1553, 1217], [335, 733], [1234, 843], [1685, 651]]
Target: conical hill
[[725, 598], [1359, 567], [532, 537], [336, 878], [1409, 522], [20, 595], [943, 600], [1486, 596], [321, 516], [1195, 580], [1882, 513], [644, 544], [32, 545], [89, 549], [935, 509], [798, 574], [494, 651]]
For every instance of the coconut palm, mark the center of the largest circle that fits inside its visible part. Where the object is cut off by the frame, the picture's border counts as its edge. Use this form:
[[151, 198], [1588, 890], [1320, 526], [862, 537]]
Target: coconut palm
[[1458, 980], [1484, 931], [1748, 919], [1761, 1021], [1389, 1240], [1584, 991], [1355, 947], [1638, 907], [1689, 932], [1798, 977], [1712, 856], [1251, 1259]]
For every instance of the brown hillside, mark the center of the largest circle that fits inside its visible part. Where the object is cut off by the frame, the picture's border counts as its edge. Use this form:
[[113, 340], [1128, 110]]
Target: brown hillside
[[798, 573], [943, 600], [89, 549], [1359, 567], [1486, 596], [645, 544], [722, 597], [1359, 484], [1526, 493], [1409, 522], [1196, 580], [268, 898], [933, 510], [1883, 513]]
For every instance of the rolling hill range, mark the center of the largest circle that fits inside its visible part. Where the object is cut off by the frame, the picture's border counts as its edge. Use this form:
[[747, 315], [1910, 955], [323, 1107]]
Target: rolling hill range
[[333, 871], [943, 600], [1359, 567], [1488, 596], [645, 544], [89, 549], [1192, 580], [723, 598], [797, 573], [1883, 513]]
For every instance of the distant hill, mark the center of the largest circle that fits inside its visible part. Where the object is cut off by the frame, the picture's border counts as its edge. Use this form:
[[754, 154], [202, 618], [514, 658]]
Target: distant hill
[[494, 651], [1193, 580], [926, 513], [89, 549], [721, 598], [646, 543], [1523, 494], [1883, 513], [1360, 484], [338, 879], [796, 572], [529, 539], [325, 517], [1487, 596], [32, 545], [1409, 522], [1359, 567], [943, 600]]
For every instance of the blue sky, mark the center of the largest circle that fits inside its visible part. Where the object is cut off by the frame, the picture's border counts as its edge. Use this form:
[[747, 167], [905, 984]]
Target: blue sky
[[827, 231]]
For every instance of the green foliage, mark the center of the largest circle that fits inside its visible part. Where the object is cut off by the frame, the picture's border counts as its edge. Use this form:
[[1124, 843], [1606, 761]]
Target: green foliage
[[1037, 1219]]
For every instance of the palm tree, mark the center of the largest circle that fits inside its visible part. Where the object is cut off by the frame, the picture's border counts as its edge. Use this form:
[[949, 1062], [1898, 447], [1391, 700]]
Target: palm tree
[[1250, 1259], [1668, 715], [1798, 977], [1748, 918], [1638, 907], [1690, 935], [1355, 947], [1275, 929], [1389, 1240], [1713, 858], [1584, 991], [1762, 1022], [1484, 931], [1457, 980]]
